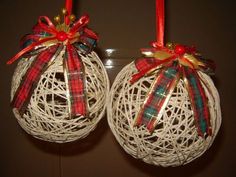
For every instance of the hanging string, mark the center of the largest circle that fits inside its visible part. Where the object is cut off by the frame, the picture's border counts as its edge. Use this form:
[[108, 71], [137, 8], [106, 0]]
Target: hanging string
[[160, 22], [68, 7]]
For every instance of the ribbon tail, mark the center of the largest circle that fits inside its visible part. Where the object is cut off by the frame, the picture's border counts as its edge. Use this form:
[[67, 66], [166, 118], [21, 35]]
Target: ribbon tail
[[75, 81], [199, 101], [31, 78], [158, 97]]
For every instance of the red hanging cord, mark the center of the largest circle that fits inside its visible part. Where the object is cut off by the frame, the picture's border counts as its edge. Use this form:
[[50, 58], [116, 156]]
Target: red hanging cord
[[68, 6], [160, 22]]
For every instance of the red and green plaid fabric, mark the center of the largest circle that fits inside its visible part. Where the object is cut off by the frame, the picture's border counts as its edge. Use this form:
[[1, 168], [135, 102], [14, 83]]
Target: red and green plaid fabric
[[76, 81], [199, 101], [31, 78], [158, 96], [145, 63], [79, 37], [160, 92]]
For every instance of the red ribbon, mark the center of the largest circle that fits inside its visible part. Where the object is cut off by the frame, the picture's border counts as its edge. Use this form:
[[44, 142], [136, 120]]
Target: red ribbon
[[68, 6], [60, 36], [160, 22]]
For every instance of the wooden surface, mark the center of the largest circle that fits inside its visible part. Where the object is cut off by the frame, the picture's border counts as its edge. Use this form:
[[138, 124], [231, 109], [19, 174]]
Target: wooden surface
[[125, 26]]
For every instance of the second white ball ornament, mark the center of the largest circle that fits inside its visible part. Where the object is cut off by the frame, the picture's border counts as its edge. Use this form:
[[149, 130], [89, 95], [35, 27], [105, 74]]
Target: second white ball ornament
[[163, 108]]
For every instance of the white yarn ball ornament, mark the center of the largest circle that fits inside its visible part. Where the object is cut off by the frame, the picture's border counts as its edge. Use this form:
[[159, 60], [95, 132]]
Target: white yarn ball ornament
[[175, 140], [47, 115]]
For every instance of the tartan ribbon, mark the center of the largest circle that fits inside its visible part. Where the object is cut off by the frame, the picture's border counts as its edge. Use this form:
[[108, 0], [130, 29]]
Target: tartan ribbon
[[47, 41], [173, 62]]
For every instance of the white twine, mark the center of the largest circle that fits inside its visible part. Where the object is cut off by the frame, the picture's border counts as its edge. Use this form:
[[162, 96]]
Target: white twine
[[175, 140], [47, 115]]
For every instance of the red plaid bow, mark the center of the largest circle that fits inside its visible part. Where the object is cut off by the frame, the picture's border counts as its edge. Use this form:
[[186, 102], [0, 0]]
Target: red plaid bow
[[173, 62], [52, 40]]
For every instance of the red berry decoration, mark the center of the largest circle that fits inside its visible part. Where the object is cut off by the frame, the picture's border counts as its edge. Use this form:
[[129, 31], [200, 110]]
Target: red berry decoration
[[62, 36], [180, 49]]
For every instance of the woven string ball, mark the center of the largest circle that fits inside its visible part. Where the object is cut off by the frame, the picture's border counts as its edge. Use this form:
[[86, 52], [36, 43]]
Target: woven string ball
[[175, 140], [47, 115]]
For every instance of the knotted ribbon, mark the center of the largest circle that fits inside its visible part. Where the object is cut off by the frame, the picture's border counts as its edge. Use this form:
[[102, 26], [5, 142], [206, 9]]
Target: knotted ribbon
[[47, 41], [173, 62]]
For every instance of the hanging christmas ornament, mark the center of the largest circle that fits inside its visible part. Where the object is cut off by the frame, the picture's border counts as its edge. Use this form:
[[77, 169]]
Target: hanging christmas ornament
[[60, 86], [164, 108]]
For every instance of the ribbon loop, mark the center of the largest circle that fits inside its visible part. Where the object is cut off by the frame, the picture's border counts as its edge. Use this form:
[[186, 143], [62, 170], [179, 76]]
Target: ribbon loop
[[46, 25], [84, 20]]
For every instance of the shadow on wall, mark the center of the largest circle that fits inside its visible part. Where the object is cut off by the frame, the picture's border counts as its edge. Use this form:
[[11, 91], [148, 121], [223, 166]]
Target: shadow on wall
[[72, 148]]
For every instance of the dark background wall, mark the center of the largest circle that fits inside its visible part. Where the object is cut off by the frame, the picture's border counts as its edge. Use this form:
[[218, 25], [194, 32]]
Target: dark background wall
[[125, 25]]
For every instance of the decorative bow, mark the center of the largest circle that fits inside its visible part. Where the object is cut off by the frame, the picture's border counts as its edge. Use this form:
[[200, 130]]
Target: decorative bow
[[47, 41], [174, 62]]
